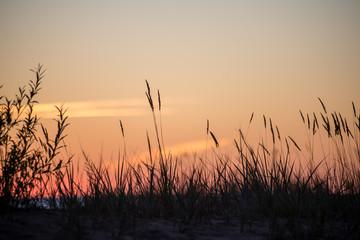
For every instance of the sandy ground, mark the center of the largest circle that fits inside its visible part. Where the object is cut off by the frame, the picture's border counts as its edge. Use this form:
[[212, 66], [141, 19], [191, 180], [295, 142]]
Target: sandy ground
[[54, 225], [57, 225]]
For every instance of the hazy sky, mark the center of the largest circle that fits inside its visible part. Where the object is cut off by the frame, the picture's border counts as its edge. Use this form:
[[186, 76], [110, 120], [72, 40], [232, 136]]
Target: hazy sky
[[216, 60]]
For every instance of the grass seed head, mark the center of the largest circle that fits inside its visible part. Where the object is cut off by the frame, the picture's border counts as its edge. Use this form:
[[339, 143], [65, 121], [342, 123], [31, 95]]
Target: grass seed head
[[148, 95], [215, 140], [264, 121], [122, 129], [295, 143], [251, 118], [354, 109], [207, 126], [159, 99], [302, 116], [322, 104], [272, 131]]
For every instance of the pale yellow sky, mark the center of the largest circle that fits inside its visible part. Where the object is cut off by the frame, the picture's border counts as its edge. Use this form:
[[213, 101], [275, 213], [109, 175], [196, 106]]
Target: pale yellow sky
[[217, 60]]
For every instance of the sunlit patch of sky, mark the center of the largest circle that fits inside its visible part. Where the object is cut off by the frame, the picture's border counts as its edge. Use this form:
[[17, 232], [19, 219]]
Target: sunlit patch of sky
[[234, 57]]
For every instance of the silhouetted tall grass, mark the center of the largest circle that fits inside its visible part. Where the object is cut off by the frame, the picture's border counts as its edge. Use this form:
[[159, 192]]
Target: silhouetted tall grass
[[306, 197]]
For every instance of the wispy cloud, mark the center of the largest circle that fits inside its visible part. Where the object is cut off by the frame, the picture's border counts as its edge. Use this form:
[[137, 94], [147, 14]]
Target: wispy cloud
[[100, 108]]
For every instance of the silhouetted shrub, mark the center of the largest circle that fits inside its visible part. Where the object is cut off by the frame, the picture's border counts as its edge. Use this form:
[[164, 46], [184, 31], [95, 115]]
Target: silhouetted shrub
[[27, 160]]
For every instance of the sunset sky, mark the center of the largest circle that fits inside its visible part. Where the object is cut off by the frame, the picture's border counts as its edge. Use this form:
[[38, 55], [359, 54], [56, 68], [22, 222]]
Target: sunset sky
[[216, 60]]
